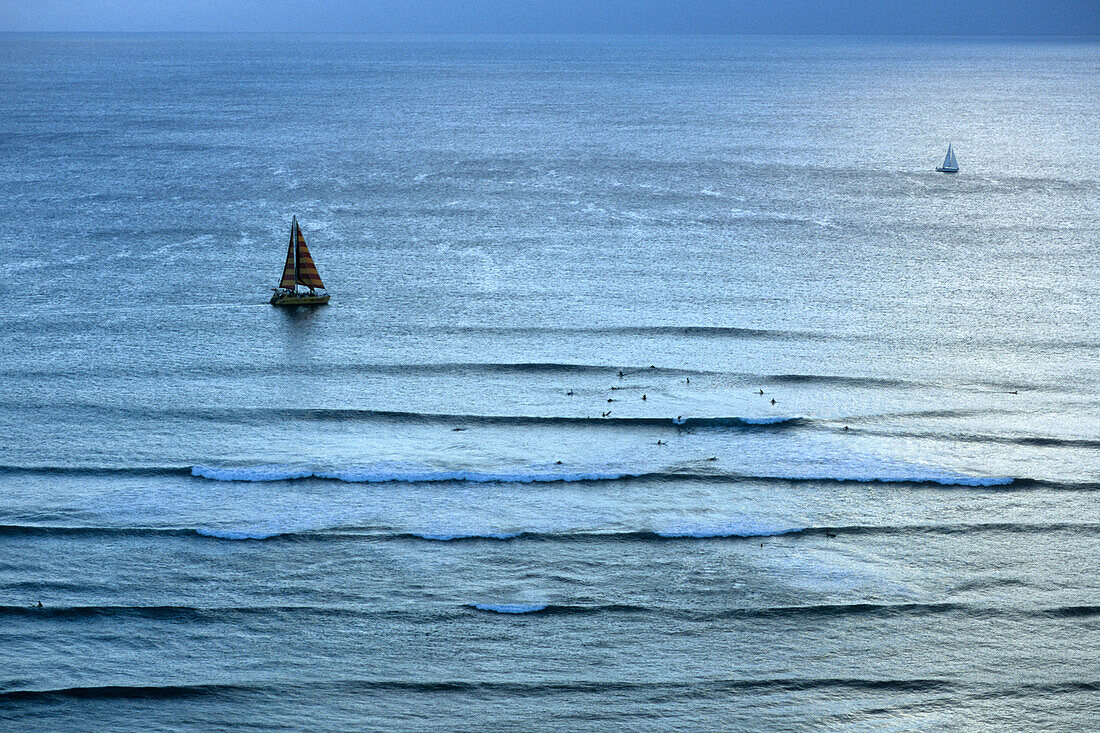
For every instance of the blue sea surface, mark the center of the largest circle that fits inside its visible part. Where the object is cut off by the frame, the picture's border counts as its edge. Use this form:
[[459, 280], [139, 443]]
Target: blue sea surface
[[664, 386]]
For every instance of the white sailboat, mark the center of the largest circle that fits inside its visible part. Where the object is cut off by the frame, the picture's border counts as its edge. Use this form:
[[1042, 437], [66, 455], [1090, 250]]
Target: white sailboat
[[950, 165]]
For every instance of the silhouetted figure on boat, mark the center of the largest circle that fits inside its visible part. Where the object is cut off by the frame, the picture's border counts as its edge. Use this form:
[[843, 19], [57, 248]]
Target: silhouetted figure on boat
[[773, 400]]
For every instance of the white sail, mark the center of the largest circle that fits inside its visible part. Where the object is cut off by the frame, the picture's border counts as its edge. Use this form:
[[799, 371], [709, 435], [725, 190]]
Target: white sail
[[949, 163]]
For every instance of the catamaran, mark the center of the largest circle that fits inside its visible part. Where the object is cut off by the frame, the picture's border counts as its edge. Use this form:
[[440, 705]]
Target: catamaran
[[299, 270], [949, 163]]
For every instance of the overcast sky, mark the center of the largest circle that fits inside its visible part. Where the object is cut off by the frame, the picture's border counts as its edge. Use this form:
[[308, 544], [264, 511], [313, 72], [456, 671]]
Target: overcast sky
[[925, 17]]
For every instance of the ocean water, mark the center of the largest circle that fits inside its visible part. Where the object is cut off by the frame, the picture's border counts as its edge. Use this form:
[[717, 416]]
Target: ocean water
[[665, 385]]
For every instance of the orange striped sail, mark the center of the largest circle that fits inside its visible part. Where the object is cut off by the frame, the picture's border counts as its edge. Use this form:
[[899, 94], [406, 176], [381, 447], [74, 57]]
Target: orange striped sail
[[299, 268], [306, 271]]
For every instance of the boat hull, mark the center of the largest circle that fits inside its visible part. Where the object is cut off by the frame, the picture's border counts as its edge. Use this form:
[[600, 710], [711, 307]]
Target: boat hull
[[947, 170], [291, 300]]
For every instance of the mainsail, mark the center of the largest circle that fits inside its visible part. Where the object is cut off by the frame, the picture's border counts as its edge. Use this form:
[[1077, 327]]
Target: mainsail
[[949, 163], [299, 268]]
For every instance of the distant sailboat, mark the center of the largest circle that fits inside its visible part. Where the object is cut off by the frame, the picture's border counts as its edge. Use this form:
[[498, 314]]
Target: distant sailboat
[[950, 165], [299, 270]]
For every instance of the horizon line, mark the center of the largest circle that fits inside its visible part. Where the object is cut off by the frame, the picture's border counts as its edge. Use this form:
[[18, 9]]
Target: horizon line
[[574, 34]]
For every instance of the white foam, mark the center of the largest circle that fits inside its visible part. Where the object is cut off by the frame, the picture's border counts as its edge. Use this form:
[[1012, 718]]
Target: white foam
[[768, 420], [511, 607], [251, 473]]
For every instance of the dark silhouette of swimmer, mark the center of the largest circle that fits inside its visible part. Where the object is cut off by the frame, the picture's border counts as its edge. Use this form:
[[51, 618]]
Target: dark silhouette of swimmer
[[1015, 391], [761, 391], [830, 534], [687, 379], [661, 442], [457, 430], [39, 605], [569, 393], [643, 396], [845, 427], [652, 367], [773, 400], [557, 463], [713, 458], [605, 414], [610, 400], [620, 374]]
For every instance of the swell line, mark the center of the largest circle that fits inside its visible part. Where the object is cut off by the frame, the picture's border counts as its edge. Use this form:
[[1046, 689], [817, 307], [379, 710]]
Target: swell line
[[216, 614], [269, 414], [556, 369], [731, 532], [691, 689], [700, 688], [402, 473]]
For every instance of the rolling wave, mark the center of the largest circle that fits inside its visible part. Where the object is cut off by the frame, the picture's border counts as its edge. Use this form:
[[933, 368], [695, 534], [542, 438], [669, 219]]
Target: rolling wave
[[404, 474], [730, 531], [388, 472], [695, 688], [215, 614], [342, 414], [767, 334], [562, 369]]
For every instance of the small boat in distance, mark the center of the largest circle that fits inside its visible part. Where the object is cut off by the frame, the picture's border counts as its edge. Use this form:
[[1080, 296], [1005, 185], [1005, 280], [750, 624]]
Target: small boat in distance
[[299, 270], [950, 165]]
